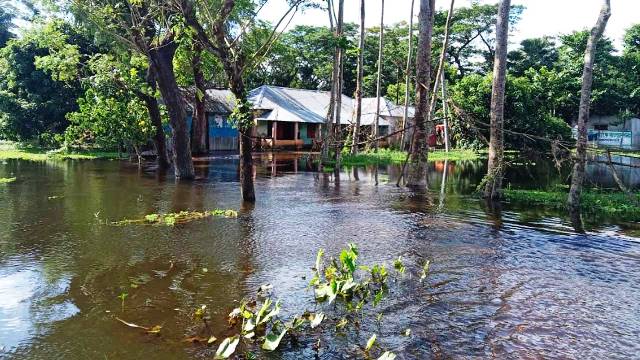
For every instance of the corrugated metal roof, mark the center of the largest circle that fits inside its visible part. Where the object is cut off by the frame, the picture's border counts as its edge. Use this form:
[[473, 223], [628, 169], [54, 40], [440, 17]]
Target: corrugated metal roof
[[218, 101], [296, 105], [299, 105]]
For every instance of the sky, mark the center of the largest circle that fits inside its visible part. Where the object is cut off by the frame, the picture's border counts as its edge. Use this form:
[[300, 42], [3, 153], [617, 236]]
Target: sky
[[541, 17]]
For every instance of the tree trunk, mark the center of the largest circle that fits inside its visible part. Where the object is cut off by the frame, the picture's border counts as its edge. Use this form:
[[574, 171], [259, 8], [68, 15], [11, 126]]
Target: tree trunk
[[417, 167], [337, 128], [376, 123], [199, 119], [405, 118], [577, 176], [495, 169], [162, 57], [151, 103], [356, 129], [441, 62], [327, 129], [245, 122]]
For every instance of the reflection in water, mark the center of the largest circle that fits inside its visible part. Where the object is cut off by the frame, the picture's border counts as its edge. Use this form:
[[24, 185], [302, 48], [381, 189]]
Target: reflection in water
[[507, 282]]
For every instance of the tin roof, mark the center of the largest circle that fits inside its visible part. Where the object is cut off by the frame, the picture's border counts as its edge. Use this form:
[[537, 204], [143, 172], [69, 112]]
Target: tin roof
[[298, 105]]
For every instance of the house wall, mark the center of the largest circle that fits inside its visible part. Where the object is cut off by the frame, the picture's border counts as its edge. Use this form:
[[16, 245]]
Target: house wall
[[223, 136], [613, 127]]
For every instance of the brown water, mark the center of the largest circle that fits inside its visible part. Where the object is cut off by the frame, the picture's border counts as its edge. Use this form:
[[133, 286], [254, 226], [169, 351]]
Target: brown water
[[511, 284]]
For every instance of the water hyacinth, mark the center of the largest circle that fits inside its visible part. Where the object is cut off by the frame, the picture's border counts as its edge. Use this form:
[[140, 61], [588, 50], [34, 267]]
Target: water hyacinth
[[181, 217]]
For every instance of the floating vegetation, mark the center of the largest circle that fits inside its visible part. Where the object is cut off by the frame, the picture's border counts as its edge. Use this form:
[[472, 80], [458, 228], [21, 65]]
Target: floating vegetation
[[7, 180], [172, 219], [341, 283]]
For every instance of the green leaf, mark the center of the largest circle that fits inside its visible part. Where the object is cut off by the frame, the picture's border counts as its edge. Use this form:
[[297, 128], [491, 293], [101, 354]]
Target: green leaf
[[370, 343], [316, 319], [262, 317], [227, 348], [388, 355], [272, 340], [319, 261], [425, 270]]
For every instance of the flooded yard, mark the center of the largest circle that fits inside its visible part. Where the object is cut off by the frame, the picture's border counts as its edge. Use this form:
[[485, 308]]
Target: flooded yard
[[509, 283]]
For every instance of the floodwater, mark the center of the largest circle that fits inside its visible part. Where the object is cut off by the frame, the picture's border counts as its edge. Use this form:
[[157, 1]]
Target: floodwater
[[504, 283]]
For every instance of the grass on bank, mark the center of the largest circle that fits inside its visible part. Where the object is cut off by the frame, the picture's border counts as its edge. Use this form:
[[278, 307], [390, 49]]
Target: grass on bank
[[12, 151], [7, 180], [593, 202], [387, 156]]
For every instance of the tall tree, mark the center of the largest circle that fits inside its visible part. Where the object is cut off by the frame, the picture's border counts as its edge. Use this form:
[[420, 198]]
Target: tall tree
[[327, 130], [495, 169], [147, 27], [339, 86], [237, 57], [376, 123], [359, 76], [199, 118], [577, 176], [417, 170], [407, 79]]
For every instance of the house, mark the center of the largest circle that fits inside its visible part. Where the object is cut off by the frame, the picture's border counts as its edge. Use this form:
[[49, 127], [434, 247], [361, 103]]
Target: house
[[219, 104], [611, 131], [286, 117], [391, 117]]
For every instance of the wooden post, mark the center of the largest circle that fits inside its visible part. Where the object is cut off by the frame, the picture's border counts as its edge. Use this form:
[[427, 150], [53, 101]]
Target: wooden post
[[295, 134], [274, 134]]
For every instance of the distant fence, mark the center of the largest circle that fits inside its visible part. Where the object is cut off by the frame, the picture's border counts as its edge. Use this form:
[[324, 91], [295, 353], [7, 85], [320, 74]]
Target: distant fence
[[621, 139]]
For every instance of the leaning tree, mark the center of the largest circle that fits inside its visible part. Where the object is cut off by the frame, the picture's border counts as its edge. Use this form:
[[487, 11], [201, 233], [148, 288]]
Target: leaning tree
[[577, 176]]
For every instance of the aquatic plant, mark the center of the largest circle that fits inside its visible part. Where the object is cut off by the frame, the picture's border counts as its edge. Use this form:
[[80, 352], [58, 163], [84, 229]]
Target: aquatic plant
[[7, 180], [122, 296], [594, 203], [388, 156], [257, 323], [172, 219]]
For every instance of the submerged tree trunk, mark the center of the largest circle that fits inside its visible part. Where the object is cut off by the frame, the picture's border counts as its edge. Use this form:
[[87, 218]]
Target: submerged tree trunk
[[405, 118], [360, 75], [577, 176], [376, 122], [162, 57], [151, 103], [417, 166], [199, 119], [495, 169]]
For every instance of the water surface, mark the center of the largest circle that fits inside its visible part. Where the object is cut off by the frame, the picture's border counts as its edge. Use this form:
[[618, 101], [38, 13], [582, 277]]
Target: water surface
[[505, 283]]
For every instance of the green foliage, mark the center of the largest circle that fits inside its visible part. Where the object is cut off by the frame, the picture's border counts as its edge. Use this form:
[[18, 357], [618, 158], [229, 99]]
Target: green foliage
[[33, 104], [388, 156], [181, 217], [7, 180], [533, 54], [593, 203], [526, 112], [242, 116]]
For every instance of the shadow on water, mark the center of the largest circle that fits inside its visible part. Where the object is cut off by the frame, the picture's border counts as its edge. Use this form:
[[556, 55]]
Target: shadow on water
[[504, 282]]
